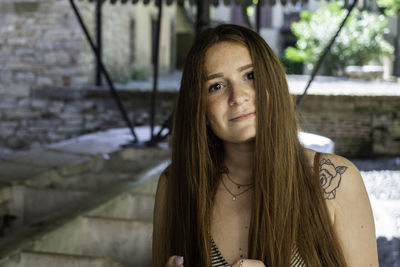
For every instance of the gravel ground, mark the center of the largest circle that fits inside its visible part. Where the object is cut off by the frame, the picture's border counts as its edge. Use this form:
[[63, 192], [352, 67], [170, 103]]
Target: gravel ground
[[382, 181], [4, 151]]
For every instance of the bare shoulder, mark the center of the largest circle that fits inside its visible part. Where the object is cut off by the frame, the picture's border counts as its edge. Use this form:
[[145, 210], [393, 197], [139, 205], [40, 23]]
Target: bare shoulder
[[339, 178], [162, 181], [161, 190], [345, 192], [160, 200], [159, 213], [159, 204], [337, 175]]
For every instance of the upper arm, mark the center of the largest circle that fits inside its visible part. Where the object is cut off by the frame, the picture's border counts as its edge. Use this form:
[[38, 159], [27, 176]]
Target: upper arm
[[159, 211], [353, 219]]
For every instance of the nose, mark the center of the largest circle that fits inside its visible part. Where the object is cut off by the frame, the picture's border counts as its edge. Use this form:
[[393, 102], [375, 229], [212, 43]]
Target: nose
[[238, 94]]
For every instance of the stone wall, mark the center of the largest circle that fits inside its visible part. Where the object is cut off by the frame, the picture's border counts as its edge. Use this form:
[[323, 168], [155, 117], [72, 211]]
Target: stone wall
[[43, 46], [360, 126], [54, 115]]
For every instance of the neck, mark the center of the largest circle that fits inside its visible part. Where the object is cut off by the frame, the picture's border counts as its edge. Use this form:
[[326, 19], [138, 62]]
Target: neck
[[239, 161]]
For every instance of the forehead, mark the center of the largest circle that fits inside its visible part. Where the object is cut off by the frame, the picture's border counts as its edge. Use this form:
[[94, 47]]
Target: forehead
[[226, 55]]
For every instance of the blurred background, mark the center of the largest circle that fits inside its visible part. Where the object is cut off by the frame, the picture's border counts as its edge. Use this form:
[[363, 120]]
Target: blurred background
[[87, 90]]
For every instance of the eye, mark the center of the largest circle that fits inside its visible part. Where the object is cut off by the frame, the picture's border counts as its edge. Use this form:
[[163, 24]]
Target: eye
[[250, 75], [215, 87]]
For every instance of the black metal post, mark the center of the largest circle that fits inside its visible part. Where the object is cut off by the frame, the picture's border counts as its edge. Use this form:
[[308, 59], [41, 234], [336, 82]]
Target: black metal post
[[99, 4], [203, 15], [258, 16], [156, 48], [167, 124], [324, 54], [105, 72], [396, 64]]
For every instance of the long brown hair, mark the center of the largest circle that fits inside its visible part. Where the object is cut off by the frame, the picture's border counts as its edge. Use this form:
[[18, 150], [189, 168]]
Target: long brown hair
[[288, 208]]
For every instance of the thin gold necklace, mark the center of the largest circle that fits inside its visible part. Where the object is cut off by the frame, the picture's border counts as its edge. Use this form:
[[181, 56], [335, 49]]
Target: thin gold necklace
[[234, 196], [237, 184]]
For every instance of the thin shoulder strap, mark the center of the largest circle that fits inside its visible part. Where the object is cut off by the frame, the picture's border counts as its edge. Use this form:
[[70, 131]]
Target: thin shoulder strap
[[316, 163]]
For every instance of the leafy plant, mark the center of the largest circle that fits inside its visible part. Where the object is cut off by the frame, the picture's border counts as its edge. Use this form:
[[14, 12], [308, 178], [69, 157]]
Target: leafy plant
[[360, 41], [139, 73], [291, 66], [392, 7]]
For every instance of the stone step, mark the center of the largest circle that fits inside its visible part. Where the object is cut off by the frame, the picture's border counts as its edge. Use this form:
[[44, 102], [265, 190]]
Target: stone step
[[123, 240], [148, 188], [90, 181], [128, 206], [148, 153], [39, 203], [27, 202], [66, 163], [117, 164], [102, 171], [6, 200], [11, 171], [43, 259], [21, 170], [23, 205], [120, 229]]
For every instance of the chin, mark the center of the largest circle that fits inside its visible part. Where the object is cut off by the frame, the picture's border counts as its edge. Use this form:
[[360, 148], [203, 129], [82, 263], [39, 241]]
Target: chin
[[246, 140], [246, 137], [238, 135]]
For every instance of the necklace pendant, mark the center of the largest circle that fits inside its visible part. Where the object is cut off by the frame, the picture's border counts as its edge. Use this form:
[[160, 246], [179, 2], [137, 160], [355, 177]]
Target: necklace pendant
[[234, 198]]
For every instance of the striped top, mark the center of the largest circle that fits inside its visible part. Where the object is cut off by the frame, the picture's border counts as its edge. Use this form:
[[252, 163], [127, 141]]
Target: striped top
[[218, 261], [216, 258]]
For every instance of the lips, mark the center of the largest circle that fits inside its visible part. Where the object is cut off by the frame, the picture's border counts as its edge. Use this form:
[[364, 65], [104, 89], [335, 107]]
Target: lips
[[243, 116]]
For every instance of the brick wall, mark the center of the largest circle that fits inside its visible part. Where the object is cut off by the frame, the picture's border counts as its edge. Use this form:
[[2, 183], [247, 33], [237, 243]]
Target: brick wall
[[41, 45], [359, 125]]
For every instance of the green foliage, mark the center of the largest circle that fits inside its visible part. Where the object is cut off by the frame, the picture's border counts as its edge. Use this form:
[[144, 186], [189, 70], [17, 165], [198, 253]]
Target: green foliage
[[291, 66], [392, 7], [139, 73], [360, 41]]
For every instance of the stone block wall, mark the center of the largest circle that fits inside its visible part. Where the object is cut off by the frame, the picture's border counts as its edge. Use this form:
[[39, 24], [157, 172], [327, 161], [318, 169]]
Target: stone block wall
[[54, 115], [41, 45], [360, 126]]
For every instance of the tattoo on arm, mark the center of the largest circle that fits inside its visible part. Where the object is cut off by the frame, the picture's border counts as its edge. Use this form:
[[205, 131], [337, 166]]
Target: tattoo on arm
[[330, 177]]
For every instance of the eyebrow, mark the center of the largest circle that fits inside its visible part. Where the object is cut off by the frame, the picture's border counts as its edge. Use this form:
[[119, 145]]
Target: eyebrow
[[220, 74]]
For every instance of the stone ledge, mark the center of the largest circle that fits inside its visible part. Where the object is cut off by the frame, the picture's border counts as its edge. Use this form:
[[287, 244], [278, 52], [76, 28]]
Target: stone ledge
[[70, 94]]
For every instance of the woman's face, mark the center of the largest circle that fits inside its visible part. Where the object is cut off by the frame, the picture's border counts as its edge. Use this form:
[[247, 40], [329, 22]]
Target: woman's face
[[231, 111]]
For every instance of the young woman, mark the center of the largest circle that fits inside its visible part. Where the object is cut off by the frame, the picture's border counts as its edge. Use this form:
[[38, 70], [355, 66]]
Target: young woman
[[241, 190]]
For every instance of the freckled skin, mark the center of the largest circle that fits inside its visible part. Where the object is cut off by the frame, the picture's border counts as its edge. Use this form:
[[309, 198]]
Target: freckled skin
[[230, 94]]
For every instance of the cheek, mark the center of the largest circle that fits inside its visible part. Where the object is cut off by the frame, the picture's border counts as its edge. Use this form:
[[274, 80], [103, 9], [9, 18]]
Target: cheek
[[214, 117], [212, 120], [214, 109]]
